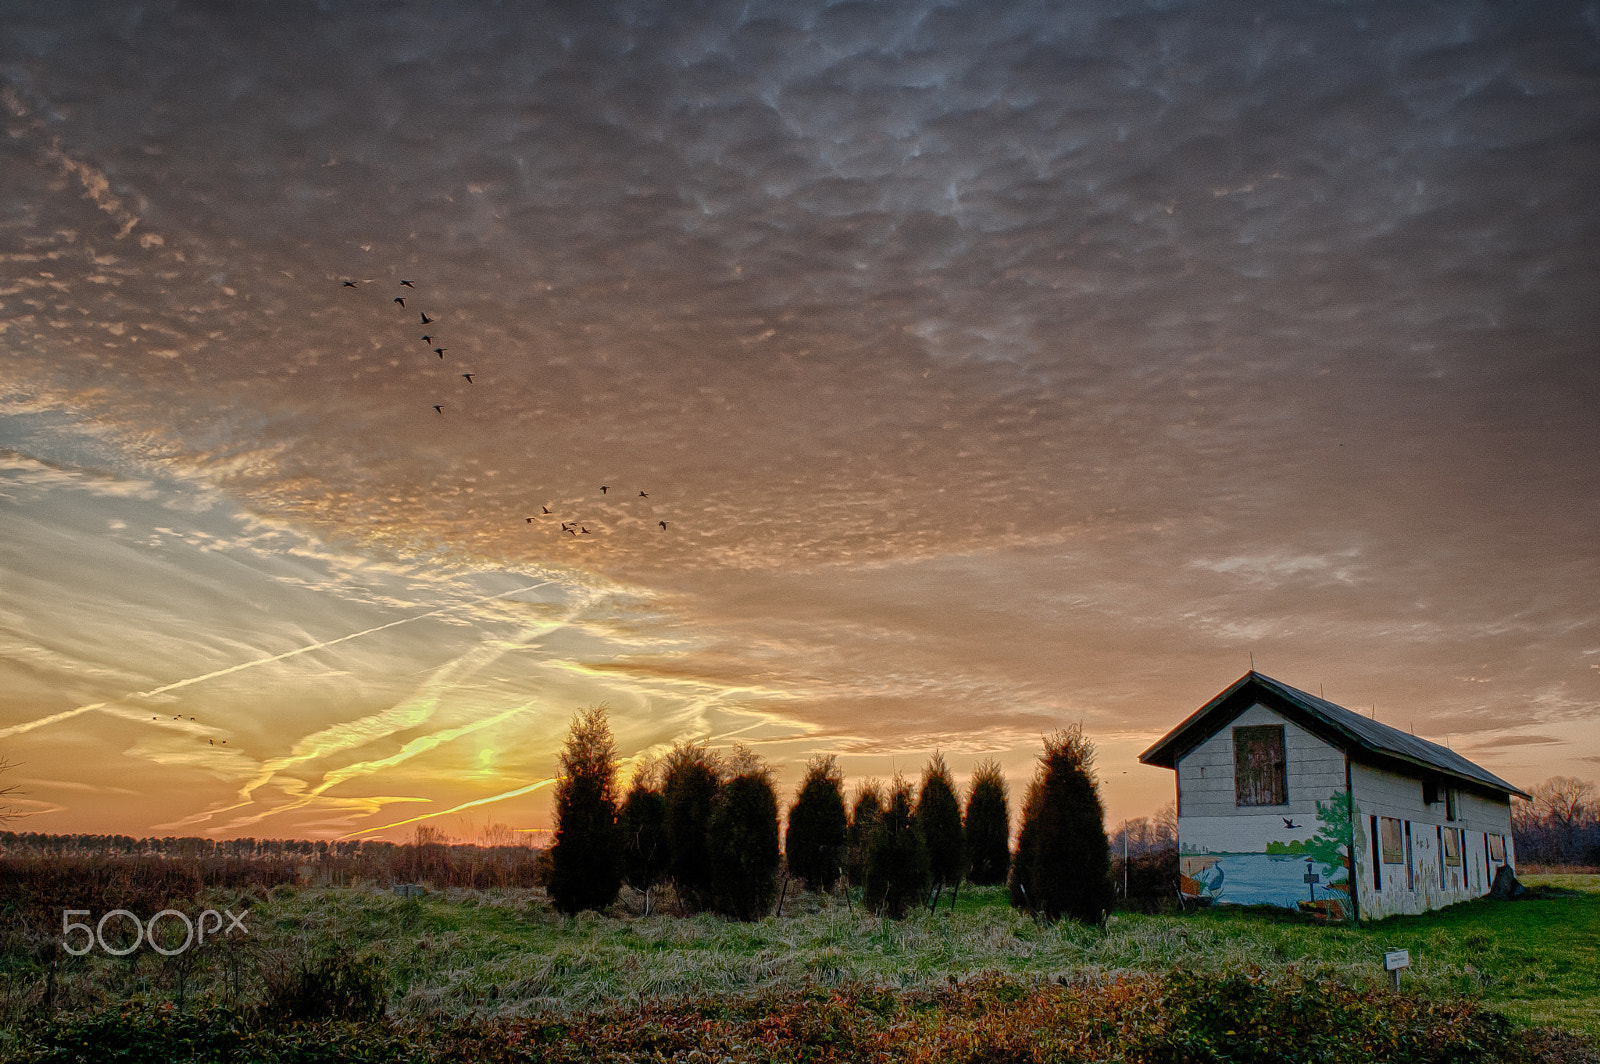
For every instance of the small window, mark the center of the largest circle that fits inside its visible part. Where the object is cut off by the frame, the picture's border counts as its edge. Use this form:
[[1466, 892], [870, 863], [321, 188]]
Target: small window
[[1260, 769], [1449, 803], [1497, 848], [1430, 792], [1394, 846], [1452, 847]]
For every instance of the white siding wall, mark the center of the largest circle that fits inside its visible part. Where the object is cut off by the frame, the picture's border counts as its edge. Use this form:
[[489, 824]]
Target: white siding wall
[[1210, 821], [1390, 794], [1209, 818], [1205, 774]]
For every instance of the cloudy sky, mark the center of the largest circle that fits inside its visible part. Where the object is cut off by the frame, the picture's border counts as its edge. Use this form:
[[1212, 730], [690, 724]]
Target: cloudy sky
[[993, 366]]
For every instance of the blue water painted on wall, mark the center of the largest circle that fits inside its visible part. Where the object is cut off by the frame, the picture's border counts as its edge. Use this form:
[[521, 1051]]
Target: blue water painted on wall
[[1259, 879]]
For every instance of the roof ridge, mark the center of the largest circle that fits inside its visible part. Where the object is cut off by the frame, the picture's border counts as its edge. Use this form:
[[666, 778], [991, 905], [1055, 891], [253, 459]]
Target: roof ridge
[[1368, 733]]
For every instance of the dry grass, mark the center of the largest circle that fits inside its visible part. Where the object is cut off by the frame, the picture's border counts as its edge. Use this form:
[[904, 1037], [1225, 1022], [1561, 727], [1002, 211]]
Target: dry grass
[[505, 954]]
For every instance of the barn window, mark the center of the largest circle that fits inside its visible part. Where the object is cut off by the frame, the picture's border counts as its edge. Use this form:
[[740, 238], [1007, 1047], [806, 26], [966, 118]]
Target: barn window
[[1260, 769], [1394, 847], [1452, 847]]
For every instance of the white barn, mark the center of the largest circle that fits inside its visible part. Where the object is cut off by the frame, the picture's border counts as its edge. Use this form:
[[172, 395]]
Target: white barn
[[1287, 799]]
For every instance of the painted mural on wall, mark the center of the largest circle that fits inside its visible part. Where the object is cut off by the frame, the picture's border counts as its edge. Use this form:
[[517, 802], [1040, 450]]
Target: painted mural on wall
[[1311, 874]]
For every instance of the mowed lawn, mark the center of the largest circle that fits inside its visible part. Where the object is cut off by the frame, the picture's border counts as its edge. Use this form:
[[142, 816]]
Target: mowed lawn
[[1535, 959], [1538, 958]]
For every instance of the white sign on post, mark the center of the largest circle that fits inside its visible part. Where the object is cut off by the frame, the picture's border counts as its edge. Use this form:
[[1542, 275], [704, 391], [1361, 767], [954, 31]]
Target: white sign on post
[[1393, 961]]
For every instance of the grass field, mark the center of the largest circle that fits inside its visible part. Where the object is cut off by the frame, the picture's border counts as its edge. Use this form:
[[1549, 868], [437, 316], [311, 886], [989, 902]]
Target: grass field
[[1538, 960], [506, 954]]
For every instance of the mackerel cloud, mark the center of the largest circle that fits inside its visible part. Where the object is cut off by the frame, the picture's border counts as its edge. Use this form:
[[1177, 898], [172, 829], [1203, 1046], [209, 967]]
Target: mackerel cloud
[[1022, 357]]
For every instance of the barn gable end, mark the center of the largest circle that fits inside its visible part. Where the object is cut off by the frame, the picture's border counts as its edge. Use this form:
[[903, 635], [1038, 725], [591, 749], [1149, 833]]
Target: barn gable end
[[1286, 799]]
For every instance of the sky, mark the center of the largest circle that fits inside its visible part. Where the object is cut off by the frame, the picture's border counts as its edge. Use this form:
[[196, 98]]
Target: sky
[[994, 366]]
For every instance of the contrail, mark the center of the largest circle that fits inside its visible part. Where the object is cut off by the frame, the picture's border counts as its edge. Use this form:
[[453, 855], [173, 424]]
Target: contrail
[[54, 718], [737, 731], [502, 797], [464, 805], [332, 779]]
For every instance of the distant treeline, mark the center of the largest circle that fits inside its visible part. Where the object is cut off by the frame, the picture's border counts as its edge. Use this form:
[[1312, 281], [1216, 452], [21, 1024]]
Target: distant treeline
[[84, 845], [37, 868], [1147, 879], [1560, 825]]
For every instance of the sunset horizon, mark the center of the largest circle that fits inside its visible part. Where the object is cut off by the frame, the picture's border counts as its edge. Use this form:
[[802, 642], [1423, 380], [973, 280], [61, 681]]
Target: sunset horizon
[[386, 384]]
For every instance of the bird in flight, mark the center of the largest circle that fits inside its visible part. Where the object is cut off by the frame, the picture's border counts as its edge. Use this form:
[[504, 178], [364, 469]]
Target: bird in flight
[[408, 284], [401, 300], [644, 495], [469, 377], [603, 489], [425, 319], [663, 525], [439, 351], [529, 520], [585, 531], [1288, 822], [427, 339], [350, 284], [570, 529], [438, 408], [546, 509]]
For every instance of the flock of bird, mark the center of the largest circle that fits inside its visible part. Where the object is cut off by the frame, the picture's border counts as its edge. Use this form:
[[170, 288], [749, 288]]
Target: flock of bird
[[213, 742], [569, 527], [573, 528]]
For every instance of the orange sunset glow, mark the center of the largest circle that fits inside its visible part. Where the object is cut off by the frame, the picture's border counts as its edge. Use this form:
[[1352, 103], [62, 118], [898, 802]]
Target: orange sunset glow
[[383, 384]]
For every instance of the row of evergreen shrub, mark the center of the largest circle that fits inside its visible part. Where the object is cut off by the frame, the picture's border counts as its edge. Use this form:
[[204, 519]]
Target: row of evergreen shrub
[[708, 825]]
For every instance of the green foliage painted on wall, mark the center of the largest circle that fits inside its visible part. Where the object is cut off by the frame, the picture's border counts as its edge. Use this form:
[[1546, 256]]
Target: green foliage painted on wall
[[1329, 845]]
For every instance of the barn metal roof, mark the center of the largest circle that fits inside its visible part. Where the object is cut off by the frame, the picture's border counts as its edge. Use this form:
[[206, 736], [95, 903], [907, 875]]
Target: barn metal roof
[[1355, 733]]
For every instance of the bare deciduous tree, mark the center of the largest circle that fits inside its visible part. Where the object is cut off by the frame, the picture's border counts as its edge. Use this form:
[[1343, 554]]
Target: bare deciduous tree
[[1560, 824], [8, 813]]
